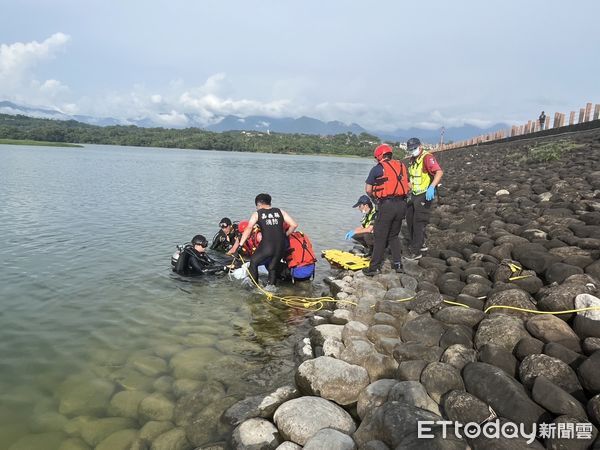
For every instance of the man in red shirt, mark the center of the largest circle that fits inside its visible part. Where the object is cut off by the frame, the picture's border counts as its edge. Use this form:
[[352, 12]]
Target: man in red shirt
[[425, 175]]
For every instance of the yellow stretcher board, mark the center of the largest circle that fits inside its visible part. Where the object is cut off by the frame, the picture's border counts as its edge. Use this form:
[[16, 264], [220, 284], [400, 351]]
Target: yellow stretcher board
[[345, 260]]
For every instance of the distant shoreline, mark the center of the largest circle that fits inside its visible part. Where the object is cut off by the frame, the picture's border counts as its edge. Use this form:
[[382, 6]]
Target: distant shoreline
[[37, 143]]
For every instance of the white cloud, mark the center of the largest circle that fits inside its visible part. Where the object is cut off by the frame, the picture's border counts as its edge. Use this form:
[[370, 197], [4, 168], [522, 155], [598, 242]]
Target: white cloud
[[173, 119]]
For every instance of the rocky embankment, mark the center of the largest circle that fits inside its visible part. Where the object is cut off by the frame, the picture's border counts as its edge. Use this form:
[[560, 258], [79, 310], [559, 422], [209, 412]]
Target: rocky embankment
[[507, 231]]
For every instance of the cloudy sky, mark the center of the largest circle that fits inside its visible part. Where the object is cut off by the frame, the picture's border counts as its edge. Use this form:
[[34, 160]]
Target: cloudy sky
[[383, 64]]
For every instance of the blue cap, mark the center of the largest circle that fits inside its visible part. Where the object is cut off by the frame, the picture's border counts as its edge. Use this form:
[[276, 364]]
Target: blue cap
[[363, 200]]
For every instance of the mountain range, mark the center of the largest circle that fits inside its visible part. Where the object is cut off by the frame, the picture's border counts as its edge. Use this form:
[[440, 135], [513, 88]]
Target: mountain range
[[304, 125]]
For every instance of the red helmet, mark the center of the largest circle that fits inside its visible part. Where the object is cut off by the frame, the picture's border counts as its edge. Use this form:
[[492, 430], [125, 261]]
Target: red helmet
[[381, 150], [242, 226]]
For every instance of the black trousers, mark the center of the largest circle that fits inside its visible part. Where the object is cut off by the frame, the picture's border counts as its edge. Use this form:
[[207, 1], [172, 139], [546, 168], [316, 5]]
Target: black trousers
[[365, 239], [418, 213], [390, 214], [266, 250]]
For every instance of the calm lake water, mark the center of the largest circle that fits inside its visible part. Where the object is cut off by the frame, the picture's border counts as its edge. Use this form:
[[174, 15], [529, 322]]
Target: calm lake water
[[89, 307]]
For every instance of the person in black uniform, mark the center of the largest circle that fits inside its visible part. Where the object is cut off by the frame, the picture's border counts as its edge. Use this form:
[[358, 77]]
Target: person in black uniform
[[225, 237], [273, 244], [195, 261]]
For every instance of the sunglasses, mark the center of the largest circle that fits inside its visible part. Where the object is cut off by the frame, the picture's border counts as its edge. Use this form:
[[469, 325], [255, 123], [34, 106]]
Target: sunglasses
[[201, 244]]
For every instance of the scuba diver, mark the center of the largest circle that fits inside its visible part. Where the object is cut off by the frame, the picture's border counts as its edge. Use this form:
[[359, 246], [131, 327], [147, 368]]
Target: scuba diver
[[192, 259], [226, 237], [272, 247]]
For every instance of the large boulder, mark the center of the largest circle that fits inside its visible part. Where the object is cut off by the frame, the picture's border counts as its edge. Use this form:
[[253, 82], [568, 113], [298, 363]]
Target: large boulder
[[262, 406], [320, 332], [460, 406], [255, 434], [458, 355], [439, 378], [499, 357], [502, 392], [81, 397], [589, 372], [156, 407], [553, 369], [559, 272], [413, 393], [332, 379], [500, 329], [549, 328], [459, 315], [514, 298], [423, 329], [300, 419], [410, 351], [555, 399], [375, 394]]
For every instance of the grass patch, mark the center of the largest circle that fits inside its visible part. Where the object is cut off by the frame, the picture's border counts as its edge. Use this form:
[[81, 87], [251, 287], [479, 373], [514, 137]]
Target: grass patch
[[549, 151], [37, 143]]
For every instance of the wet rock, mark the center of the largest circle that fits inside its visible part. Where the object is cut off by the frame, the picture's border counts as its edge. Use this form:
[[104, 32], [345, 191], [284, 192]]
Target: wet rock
[[95, 431], [459, 315], [499, 357], [439, 378], [502, 392], [458, 356], [121, 440], [320, 332], [391, 423], [185, 386], [262, 406], [460, 406], [151, 430], [174, 439], [416, 351], [553, 369], [255, 434], [191, 363], [72, 444], [424, 330], [126, 403], [164, 384], [48, 421], [512, 297], [80, 397], [151, 366], [192, 405], [413, 393], [332, 379], [558, 443], [566, 355], [156, 407], [410, 370], [555, 399], [328, 438], [375, 394], [588, 373], [303, 351], [549, 328], [500, 329], [300, 419], [39, 441], [587, 323], [558, 272], [203, 426]]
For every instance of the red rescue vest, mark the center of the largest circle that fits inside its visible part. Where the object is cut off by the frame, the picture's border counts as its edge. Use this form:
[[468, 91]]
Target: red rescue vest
[[252, 242], [394, 182], [301, 251]]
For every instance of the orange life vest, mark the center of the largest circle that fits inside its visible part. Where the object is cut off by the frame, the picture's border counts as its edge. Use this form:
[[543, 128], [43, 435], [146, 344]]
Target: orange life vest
[[300, 252], [394, 182], [252, 242]]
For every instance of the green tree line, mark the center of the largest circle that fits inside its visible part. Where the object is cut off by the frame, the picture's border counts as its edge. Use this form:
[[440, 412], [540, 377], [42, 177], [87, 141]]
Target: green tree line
[[23, 127]]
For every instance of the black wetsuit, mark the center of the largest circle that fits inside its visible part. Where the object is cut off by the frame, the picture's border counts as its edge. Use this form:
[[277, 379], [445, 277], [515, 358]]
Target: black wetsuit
[[223, 242], [272, 245], [199, 263]]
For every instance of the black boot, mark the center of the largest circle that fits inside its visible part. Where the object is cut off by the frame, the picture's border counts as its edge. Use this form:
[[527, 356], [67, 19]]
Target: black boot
[[371, 271]]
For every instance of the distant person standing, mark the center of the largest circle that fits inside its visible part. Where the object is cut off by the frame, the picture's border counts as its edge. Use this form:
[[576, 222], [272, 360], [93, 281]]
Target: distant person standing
[[542, 120], [387, 184], [425, 175]]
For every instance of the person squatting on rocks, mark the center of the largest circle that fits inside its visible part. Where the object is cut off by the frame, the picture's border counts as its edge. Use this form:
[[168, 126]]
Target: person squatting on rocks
[[273, 244], [425, 175], [364, 233], [226, 237], [387, 184], [542, 120]]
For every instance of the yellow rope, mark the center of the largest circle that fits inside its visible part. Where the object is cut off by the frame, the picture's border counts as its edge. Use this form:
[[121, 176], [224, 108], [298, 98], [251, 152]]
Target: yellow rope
[[535, 311], [295, 301]]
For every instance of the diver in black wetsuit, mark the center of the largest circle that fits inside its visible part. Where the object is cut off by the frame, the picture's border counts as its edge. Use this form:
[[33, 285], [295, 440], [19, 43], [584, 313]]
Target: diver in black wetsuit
[[195, 261], [226, 237], [273, 243]]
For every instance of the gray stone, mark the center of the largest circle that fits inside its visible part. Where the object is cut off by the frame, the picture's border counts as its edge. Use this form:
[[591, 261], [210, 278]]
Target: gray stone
[[590, 345], [589, 372], [459, 315], [499, 357], [320, 332], [328, 438], [396, 294], [192, 362], [300, 419], [409, 351], [261, 406], [424, 330], [587, 323], [555, 399], [333, 347], [287, 445], [413, 393], [352, 330], [549, 328], [593, 409], [553, 369], [149, 365], [514, 298], [439, 378], [457, 334], [156, 407], [255, 434], [460, 406], [410, 370], [528, 346], [502, 392], [566, 355], [458, 355], [375, 394], [332, 379], [377, 331], [174, 439], [559, 272], [357, 351], [426, 301], [500, 329], [340, 317], [81, 397]]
